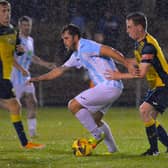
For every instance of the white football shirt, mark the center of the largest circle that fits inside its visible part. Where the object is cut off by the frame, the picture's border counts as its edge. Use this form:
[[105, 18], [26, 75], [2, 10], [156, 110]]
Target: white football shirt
[[88, 56]]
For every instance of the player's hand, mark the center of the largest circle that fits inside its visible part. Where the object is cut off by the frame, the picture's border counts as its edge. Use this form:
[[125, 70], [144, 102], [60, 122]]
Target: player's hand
[[20, 48], [28, 82], [112, 75], [25, 72], [133, 68]]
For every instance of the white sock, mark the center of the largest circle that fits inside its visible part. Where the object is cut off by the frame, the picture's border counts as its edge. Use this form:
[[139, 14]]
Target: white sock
[[86, 119], [32, 126], [108, 140]]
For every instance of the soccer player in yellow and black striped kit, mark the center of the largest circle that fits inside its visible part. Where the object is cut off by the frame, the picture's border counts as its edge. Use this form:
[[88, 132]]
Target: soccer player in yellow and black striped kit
[[151, 63], [7, 98]]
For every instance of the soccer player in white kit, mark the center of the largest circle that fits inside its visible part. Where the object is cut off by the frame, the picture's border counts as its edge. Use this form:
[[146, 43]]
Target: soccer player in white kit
[[90, 105], [19, 77]]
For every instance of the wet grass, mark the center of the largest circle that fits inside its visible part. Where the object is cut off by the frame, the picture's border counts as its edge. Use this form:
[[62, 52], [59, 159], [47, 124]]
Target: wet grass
[[57, 128]]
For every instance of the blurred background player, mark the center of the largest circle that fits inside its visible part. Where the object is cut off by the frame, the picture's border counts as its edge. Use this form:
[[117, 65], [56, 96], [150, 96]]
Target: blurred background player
[[89, 106], [7, 97], [109, 26], [152, 65], [25, 92]]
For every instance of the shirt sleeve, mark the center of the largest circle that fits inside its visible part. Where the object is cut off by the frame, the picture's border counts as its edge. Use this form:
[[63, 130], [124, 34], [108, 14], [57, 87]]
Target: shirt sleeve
[[93, 48], [148, 53], [73, 62]]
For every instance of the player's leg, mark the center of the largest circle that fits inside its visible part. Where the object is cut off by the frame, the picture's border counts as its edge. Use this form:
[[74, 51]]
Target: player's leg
[[150, 127], [28, 95], [114, 94], [91, 101], [85, 118], [31, 107], [157, 101], [10, 103], [108, 139], [162, 134], [13, 106]]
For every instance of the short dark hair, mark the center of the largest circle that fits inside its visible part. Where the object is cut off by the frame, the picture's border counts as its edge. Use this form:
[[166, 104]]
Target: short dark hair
[[25, 18], [4, 3], [72, 29], [138, 18]]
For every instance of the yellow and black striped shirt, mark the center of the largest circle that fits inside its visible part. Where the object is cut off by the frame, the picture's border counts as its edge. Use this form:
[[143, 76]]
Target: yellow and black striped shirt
[[7, 48], [149, 51]]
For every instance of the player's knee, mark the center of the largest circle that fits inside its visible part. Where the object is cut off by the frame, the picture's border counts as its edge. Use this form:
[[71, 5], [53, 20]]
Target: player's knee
[[15, 107], [31, 115], [30, 100], [143, 112], [18, 107], [74, 106]]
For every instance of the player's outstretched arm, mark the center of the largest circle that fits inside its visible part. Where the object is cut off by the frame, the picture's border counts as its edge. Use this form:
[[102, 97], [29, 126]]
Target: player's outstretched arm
[[39, 61], [118, 56], [116, 75], [141, 72], [56, 72]]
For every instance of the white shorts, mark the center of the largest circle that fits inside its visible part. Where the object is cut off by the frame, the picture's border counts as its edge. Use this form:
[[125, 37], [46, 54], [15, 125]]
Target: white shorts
[[20, 89], [99, 98]]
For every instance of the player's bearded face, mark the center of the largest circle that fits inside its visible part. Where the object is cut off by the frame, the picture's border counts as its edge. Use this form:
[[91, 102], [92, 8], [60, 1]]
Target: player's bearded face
[[73, 46], [69, 41]]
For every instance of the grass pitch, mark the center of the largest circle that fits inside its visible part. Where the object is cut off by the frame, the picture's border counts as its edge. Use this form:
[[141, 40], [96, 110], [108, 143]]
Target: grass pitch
[[57, 128]]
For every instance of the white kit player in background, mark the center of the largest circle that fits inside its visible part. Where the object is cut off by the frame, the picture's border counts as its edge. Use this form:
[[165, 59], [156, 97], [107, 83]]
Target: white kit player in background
[[90, 105], [19, 77]]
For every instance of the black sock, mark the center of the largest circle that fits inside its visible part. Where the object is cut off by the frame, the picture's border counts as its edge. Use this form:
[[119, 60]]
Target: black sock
[[162, 134], [151, 132], [20, 131]]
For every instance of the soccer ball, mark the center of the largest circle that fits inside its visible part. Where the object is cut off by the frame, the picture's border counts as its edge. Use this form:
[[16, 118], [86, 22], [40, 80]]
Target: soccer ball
[[81, 147]]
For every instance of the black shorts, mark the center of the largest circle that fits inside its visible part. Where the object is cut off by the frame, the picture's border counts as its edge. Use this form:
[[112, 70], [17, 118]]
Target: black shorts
[[6, 89], [158, 98]]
